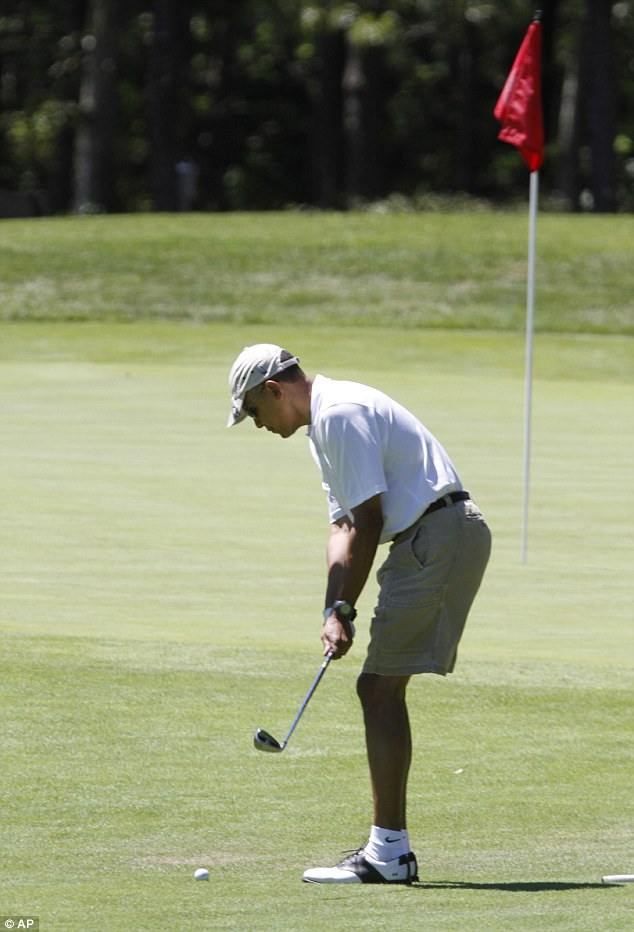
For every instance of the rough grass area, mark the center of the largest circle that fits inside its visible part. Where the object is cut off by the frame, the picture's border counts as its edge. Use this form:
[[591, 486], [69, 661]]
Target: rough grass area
[[400, 270]]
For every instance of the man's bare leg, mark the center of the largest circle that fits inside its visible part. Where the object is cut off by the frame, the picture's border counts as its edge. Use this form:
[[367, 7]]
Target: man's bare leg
[[384, 859], [389, 745]]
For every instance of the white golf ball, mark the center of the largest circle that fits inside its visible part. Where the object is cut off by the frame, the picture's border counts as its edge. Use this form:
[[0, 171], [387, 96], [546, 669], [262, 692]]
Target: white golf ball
[[201, 874]]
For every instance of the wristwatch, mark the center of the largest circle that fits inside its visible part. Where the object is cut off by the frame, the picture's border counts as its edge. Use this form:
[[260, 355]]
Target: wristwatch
[[345, 611]]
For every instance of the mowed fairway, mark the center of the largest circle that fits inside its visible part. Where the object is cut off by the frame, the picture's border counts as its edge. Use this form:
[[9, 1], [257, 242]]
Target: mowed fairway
[[161, 590]]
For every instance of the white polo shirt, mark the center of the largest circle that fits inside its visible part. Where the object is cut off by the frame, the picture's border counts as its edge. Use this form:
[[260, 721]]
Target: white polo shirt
[[366, 444]]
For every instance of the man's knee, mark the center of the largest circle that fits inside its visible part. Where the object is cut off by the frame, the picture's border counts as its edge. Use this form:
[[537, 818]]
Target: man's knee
[[375, 691]]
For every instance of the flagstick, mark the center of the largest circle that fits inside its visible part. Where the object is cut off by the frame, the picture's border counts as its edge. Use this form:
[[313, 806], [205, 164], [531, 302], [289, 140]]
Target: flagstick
[[530, 314]]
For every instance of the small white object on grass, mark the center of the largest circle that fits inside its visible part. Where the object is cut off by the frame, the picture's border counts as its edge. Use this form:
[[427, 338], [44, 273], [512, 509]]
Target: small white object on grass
[[201, 874], [618, 878]]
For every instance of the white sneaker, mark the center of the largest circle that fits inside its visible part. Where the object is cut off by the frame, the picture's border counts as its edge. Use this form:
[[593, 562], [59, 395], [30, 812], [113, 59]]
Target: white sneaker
[[360, 868]]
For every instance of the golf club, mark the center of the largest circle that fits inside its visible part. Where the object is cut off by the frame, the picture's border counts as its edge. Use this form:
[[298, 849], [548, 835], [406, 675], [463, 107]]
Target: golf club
[[263, 741]]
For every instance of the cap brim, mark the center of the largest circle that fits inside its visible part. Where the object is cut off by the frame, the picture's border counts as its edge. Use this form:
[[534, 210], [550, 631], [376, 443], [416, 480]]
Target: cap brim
[[237, 414]]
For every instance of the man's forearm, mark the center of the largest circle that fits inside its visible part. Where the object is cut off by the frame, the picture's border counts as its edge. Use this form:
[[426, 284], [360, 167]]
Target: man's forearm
[[351, 551]]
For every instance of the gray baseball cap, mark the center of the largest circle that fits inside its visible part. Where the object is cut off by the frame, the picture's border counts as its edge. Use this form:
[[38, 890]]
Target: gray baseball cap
[[254, 365]]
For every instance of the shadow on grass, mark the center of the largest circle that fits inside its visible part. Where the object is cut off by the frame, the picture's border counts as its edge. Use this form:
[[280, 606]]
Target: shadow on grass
[[514, 887]]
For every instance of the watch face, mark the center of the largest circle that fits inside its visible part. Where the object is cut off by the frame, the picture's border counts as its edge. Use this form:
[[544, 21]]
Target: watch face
[[344, 609]]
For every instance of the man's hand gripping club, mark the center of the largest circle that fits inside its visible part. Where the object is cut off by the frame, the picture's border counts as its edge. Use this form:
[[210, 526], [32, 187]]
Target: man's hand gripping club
[[337, 636]]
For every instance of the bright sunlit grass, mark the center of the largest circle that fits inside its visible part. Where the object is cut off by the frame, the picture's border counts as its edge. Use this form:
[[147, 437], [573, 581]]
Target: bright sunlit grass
[[161, 583]]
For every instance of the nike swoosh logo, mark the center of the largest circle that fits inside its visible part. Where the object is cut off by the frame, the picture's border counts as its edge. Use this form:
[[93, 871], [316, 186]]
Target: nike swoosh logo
[[391, 840]]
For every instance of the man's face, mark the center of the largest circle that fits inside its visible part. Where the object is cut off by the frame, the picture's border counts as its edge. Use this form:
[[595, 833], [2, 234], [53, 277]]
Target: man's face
[[268, 406]]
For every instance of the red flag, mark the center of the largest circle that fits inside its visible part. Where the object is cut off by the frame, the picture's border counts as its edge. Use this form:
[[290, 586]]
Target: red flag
[[519, 108]]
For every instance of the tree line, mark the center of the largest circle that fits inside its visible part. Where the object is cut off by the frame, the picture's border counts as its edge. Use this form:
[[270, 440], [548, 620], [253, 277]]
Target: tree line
[[131, 105]]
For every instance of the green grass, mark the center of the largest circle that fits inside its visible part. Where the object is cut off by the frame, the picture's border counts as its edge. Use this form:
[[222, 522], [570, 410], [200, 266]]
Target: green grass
[[146, 558], [138, 769], [429, 270]]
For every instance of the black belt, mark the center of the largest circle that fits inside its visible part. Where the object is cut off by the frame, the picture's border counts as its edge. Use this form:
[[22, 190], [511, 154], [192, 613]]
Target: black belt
[[443, 502]]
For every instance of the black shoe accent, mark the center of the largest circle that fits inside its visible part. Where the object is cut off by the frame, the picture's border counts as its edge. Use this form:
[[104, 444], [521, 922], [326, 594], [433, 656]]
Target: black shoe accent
[[412, 866], [410, 860], [367, 873]]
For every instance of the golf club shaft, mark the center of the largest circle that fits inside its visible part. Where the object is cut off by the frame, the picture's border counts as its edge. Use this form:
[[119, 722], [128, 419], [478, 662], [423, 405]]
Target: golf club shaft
[[312, 689]]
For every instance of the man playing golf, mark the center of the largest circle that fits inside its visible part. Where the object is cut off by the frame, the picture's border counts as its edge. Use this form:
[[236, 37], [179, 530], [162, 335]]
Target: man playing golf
[[387, 480]]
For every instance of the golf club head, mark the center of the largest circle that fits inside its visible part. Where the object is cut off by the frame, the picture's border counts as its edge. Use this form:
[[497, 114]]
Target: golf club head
[[263, 741]]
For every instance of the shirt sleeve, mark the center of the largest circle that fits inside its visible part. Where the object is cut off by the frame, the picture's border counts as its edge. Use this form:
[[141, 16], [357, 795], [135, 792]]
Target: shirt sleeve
[[335, 510], [351, 438]]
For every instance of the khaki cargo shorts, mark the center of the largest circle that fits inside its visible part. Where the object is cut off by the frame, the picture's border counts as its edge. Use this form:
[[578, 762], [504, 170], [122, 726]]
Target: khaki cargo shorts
[[427, 585]]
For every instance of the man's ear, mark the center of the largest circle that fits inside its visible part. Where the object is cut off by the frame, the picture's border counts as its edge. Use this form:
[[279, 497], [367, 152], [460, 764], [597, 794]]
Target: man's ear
[[274, 387]]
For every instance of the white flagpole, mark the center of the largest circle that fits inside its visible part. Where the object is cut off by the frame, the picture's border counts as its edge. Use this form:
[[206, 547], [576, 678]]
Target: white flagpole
[[528, 391]]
